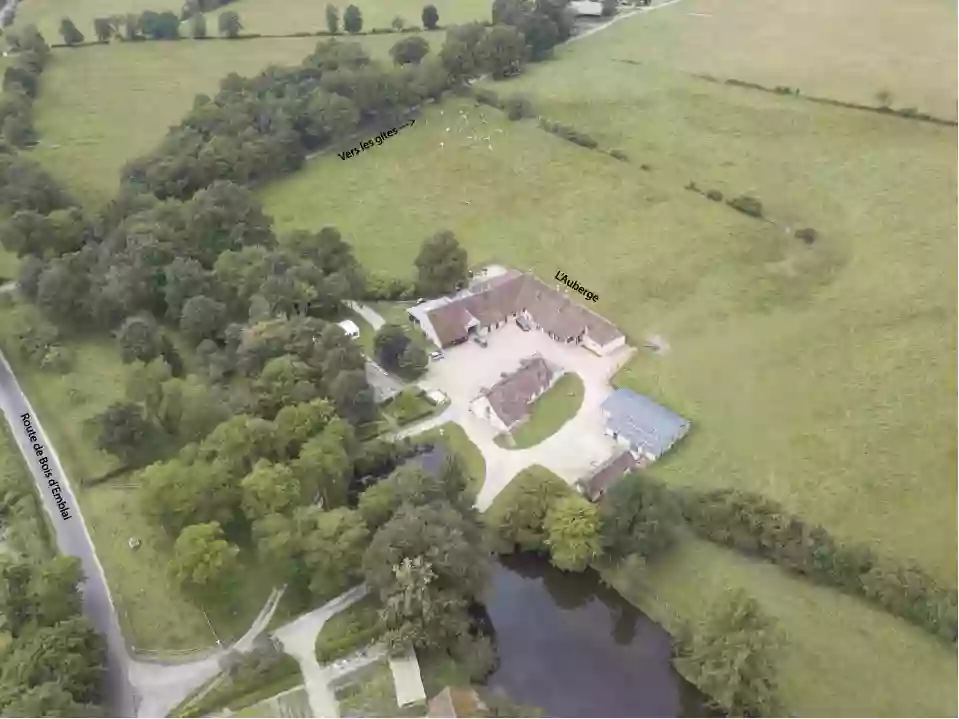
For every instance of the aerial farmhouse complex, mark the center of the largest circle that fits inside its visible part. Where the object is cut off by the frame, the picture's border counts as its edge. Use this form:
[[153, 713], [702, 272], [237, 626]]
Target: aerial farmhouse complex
[[489, 304]]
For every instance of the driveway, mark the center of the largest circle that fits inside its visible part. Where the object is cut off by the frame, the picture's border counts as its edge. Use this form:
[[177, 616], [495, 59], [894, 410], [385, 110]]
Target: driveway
[[299, 641], [374, 318], [576, 449]]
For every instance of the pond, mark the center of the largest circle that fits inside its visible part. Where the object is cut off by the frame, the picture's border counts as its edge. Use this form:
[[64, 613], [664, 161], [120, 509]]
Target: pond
[[575, 648]]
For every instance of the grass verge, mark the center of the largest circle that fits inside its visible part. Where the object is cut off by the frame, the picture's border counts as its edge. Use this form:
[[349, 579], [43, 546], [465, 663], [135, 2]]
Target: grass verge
[[349, 630], [370, 692]]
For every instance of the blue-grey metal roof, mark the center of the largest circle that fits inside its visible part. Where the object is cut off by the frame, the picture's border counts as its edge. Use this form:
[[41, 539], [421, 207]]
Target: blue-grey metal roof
[[645, 424]]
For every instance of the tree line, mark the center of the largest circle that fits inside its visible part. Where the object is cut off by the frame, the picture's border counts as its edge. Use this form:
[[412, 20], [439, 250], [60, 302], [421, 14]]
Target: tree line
[[758, 526], [52, 660], [21, 84]]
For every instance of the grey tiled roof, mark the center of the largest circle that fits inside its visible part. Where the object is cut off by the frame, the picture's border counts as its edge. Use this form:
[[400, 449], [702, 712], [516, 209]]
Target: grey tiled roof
[[645, 424]]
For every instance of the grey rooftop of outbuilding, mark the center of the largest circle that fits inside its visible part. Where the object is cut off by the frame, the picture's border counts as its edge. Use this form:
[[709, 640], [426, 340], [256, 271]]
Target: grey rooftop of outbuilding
[[645, 424]]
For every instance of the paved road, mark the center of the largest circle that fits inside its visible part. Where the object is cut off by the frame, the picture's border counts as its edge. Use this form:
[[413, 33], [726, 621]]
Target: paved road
[[299, 641], [161, 686], [374, 318], [72, 539]]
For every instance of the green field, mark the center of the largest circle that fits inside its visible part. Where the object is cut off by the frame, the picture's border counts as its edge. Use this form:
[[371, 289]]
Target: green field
[[101, 106], [840, 657], [550, 412], [848, 50], [271, 17]]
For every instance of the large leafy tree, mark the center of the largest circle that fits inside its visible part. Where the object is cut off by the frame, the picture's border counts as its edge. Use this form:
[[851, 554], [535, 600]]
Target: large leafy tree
[[229, 23], [69, 32], [122, 430], [430, 17], [732, 658], [297, 423], [332, 19], [502, 52], [140, 339], [572, 533], [269, 489], [315, 552], [202, 318], [352, 19], [517, 516], [441, 264], [409, 50], [203, 561], [179, 493], [427, 563], [324, 466], [638, 516]]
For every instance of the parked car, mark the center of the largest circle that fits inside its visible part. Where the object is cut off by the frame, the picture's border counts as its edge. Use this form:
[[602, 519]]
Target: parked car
[[438, 355], [523, 324], [480, 340]]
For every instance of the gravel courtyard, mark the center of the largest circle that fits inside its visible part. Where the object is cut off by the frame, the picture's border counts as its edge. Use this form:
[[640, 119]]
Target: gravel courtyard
[[579, 446]]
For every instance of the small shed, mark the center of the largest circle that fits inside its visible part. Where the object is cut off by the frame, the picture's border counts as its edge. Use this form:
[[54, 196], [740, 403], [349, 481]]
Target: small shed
[[595, 485]]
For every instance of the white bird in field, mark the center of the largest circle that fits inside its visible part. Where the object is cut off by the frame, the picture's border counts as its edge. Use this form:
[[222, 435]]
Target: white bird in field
[[447, 129], [442, 144]]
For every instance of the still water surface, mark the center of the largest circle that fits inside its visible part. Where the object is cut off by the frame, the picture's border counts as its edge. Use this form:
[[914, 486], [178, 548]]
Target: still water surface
[[575, 648]]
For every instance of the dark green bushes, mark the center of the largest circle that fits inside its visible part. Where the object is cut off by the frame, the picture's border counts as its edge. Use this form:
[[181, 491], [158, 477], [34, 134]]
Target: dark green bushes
[[570, 134], [266, 667], [758, 526], [517, 107], [747, 204], [350, 630]]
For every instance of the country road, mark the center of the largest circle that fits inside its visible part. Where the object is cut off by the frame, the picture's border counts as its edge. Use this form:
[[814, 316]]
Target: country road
[[73, 540]]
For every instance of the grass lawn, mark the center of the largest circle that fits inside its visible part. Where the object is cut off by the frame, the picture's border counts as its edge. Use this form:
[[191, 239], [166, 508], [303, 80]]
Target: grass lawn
[[291, 703], [409, 406], [840, 656], [395, 313], [304, 16], [370, 693], [848, 51], [101, 106], [550, 412], [349, 630], [9, 265], [455, 440]]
